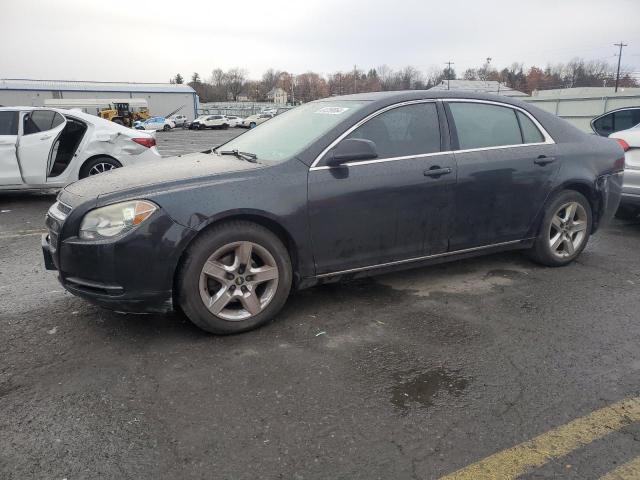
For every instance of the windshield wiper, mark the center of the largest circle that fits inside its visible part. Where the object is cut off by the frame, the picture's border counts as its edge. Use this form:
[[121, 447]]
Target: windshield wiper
[[249, 157]]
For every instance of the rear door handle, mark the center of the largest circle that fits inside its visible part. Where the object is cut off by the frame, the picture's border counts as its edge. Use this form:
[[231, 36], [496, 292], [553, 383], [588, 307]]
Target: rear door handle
[[543, 160], [436, 171], [45, 137]]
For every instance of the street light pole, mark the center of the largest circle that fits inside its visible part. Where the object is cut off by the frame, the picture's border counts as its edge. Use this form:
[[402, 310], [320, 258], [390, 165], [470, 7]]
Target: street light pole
[[448, 72]]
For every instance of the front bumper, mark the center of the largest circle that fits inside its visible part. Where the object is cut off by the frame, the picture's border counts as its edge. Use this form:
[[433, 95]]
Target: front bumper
[[131, 273]]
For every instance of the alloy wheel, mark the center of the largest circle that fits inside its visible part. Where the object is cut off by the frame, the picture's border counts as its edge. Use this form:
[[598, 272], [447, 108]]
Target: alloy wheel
[[568, 228], [238, 281], [101, 168]]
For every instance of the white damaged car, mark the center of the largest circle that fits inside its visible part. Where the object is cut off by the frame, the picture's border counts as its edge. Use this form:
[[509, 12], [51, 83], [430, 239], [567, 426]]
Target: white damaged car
[[50, 148]]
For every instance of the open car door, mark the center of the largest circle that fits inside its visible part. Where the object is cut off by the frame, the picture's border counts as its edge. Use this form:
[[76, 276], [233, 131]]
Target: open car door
[[9, 168], [40, 129]]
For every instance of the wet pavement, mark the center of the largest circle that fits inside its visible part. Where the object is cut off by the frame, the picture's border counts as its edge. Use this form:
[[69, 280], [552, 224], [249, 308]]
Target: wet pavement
[[408, 375]]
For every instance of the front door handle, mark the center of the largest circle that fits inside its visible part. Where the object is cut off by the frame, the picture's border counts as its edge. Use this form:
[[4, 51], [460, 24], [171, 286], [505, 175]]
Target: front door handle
[[437, 172], [543, 160], [45, 137]]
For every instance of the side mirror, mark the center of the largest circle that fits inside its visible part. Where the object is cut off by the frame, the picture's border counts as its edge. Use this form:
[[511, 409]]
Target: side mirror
[[351, 150]]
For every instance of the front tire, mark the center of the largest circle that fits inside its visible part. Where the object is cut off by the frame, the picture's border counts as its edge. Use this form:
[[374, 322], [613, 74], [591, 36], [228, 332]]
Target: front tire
[[564, 231], [166, 128], [235, 277]]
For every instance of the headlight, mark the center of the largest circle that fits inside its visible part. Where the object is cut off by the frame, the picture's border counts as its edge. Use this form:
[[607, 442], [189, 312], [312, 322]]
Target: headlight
[[112, 220]]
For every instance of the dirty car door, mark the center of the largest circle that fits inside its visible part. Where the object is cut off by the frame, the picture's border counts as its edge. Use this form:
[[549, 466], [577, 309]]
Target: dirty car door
[[40, 129], [9, 169], [387, 209]]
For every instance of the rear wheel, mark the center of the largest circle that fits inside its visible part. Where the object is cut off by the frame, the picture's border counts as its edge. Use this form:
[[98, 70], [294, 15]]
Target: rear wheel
[[235, 277], [252, 125], [201, 127], [98, 165], [166, 128], [564, 231]]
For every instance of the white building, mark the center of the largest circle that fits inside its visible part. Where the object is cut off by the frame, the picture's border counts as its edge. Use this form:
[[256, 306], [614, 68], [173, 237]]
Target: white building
[[162, 98], [278, 96], [478, 86], [580, 105]]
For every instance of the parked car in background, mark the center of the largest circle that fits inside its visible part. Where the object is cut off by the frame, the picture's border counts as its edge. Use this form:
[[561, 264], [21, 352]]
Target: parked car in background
[[209, 121], [616, 120], [255, 120], [46, 148], [629, 140], [158, 123], [178, 120], [337, 188], [234, 121]]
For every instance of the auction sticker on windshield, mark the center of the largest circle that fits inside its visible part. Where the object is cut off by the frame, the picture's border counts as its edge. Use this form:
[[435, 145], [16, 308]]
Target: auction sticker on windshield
[[332, 110]]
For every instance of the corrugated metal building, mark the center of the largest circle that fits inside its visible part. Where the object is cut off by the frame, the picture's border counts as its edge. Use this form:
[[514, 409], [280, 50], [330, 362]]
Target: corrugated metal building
[[162, 98], [580, 105], [479, 86]]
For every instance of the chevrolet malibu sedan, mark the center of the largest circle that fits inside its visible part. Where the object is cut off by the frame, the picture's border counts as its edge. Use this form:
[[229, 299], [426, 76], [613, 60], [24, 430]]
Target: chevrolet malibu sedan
[[333, 189]]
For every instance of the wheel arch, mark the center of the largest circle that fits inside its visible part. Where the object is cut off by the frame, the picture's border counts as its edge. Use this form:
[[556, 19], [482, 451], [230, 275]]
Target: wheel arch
[[260, 218]]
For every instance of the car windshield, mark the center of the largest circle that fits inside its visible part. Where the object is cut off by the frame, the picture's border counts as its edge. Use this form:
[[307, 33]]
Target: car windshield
[[288, 134]]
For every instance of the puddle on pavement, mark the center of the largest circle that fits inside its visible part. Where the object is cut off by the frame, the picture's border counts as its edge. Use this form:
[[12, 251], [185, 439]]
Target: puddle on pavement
[[418, 389]]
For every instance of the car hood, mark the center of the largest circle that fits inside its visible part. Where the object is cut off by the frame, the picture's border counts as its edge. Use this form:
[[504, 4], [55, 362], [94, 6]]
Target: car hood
[[166, 172]]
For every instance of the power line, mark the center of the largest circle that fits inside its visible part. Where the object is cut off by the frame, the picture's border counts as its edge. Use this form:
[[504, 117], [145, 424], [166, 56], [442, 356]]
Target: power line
[[619, 59]]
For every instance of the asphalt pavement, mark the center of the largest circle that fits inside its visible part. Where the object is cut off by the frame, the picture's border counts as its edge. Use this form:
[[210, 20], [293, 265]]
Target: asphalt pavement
[[409, 375]]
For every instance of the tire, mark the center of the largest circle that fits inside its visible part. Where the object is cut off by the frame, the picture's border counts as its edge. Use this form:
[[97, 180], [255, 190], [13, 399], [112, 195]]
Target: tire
[[201, 127], [627, 212], [119, 121], [224, 244], [98, 165], [569, 232], [252, 125], [225, 126], [166, 128]]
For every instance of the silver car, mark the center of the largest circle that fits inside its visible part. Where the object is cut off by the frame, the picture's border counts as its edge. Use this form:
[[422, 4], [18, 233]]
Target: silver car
[[629, 140]]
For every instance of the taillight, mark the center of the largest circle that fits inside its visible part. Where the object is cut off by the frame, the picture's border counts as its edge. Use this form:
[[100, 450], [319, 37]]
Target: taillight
[[622, 143], [145, 142]]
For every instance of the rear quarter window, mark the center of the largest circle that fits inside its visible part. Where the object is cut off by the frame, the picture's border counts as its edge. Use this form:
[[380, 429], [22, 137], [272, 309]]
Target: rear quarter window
[[530, 133]]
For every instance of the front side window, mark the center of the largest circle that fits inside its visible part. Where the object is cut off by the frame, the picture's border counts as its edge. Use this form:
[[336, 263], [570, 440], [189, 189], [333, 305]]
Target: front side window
[[40, 121], [403, 131], [481, 125], [8, 123]]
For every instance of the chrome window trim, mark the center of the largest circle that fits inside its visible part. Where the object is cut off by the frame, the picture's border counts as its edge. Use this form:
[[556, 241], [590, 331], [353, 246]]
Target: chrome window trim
[[417, 259], [548, 138]]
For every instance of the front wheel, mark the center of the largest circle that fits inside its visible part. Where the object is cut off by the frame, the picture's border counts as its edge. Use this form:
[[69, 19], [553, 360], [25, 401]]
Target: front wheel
[[235, 277], [166, 128], [564, 231], [252, 125]]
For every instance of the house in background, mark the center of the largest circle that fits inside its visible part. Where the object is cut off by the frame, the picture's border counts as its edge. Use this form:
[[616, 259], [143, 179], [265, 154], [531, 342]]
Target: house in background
[[278, 96]]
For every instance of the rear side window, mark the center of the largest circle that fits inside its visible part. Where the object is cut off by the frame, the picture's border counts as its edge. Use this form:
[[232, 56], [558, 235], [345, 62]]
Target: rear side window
[[8, 123], [40, 121], [481, 125], [403, 131], [530, 133]]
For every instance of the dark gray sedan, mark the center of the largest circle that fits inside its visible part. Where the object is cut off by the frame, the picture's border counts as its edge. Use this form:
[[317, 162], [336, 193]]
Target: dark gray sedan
[[332, 189]]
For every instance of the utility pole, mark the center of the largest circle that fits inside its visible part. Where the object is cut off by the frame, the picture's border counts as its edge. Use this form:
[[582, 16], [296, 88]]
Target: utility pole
[[355, 79], [619, 59], [448, 72]]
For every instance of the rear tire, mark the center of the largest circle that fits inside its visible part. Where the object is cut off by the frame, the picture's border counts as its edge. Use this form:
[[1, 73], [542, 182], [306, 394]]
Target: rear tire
[[98, 165], [564, 230], [166, 128], [247, 280], [252, 125], [627, 212]]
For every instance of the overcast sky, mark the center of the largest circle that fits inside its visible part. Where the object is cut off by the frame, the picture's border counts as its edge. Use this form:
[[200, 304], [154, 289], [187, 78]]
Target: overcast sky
[[150, 41]]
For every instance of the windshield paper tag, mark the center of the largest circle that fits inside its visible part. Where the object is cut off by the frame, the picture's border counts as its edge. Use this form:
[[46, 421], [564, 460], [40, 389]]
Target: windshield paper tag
[[332, 110]]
